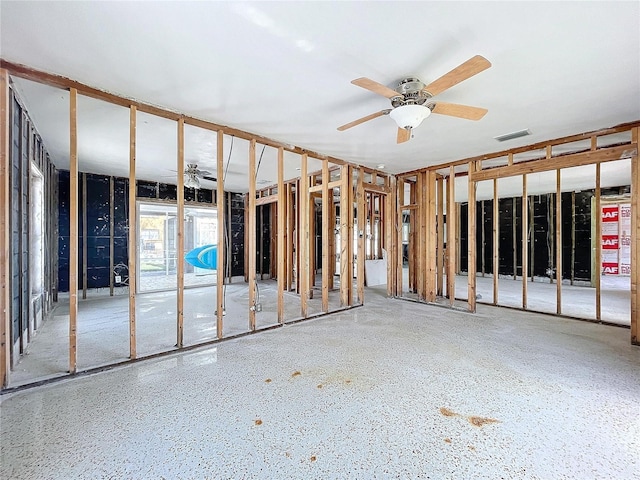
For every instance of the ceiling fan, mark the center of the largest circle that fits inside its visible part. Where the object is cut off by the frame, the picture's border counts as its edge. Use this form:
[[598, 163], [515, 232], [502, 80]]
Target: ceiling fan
[[192, 176], [412, 102]]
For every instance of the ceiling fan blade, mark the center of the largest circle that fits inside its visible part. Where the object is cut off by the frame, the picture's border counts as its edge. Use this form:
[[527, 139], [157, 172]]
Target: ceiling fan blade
[[462, 72], [404, 134], [364, 119], [460, 111], [375, 87], [203, 172], [211, 179]]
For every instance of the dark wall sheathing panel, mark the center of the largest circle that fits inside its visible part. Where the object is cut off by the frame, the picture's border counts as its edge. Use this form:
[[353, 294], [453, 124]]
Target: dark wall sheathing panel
[[26, 148], [16, 306], [541, 248], [582, 263], [464, 238], [263, 253], [510, 218], [235, 225], [542, 240], [484, 248], [25, 291], [98, 211], [63, 231]]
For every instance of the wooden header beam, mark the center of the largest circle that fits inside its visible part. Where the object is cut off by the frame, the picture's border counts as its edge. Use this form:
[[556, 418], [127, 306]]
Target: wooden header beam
[[623, 127], [590, 157], [267, 200], [59, 81]]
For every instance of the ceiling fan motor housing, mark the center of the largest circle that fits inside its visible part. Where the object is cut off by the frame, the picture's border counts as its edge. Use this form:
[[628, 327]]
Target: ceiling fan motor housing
[[410, 92]]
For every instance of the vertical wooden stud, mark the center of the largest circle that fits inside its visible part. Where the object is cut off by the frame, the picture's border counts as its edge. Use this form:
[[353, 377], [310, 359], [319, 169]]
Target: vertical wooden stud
[[221, 253], [525, 240], [73, 230], [431, 240], [344, 235], [440, 246], [483, 239], [496, 239], [413, 236], [303, 245], [361, 198], [451, 236], [332, 239], [598, 244], [133, 232], [558, 244], [180, 245], [281, 256], [298, 225], [635, 240], [514, 238], [573, 236], [471, 235], [326, 203], [111, 232], [421, 237], [5, 230], [399, 236], [250, 227], [350, 220], [390, 229]]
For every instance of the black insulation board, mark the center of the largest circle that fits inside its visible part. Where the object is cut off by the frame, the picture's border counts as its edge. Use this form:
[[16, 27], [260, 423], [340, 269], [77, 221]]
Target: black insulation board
[[236, 224], [98, 211], [541, 233]]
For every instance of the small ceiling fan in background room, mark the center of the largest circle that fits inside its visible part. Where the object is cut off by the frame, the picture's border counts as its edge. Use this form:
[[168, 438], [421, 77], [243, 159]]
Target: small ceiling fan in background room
[[192, 176], [412, 99]]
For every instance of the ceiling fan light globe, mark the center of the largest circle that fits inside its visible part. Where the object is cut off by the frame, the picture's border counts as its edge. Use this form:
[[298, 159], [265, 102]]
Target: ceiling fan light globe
[[409, 116], [191, 181]]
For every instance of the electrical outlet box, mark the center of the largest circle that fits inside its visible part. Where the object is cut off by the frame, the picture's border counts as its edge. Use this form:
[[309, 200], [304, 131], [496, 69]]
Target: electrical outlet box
[[258, 307], [118, 279]]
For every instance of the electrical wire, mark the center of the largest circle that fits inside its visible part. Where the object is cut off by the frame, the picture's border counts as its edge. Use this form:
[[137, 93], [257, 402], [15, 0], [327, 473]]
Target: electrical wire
[[224, 176], [260, 161], [257, 289], [226, 237]]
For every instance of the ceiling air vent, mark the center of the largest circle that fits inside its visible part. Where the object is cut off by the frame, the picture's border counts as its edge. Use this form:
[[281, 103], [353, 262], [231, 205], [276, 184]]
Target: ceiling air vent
[[512, 135]]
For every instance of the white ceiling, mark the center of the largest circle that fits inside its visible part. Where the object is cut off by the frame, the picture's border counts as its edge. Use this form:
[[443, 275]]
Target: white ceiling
[[283, 70]]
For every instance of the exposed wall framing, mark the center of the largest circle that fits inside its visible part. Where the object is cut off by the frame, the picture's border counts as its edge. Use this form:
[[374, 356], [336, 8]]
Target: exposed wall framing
[[5, 240], [286, 199], [522, 234]]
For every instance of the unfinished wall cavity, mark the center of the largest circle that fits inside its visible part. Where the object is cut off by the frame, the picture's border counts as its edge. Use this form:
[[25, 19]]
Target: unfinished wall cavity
[[33, 187], [108, 196]]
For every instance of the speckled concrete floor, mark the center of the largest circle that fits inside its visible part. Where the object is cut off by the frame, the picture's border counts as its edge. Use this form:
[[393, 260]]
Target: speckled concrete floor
[[391, 390], [103, 326]]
